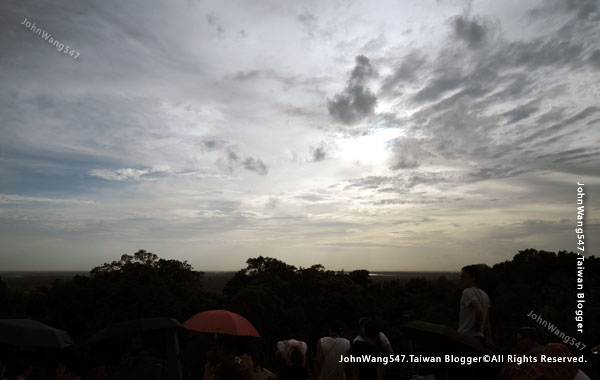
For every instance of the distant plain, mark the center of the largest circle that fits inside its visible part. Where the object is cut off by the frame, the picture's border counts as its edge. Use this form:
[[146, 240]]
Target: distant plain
[[213, 280]]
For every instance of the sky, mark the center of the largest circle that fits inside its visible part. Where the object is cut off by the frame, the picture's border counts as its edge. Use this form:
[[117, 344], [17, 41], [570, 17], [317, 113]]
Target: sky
[[380, 135]]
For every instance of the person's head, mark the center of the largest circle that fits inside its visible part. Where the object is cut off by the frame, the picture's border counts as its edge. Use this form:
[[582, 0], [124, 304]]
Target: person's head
[[225, 346], [362, 322], [469, 276], [526, 338], [335, 329], [370, 331], [20, 367]]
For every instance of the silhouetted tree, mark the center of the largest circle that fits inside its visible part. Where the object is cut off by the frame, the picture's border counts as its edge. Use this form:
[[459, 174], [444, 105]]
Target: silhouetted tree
[[360, 277]]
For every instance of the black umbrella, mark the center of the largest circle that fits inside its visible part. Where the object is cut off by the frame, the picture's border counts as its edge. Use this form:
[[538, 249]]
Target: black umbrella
[[135, 326], [30, 333]]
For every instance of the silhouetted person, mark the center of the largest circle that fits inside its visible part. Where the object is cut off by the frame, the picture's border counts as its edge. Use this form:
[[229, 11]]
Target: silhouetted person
[[19, 369], [369, 345], [329, 351], [252, 360], [292, 354], [225, 365], [67, 371], [385, 342], [474, 307]]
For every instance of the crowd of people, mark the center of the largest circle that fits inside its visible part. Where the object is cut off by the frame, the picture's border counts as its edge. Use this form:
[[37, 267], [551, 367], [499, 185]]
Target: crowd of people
[[292, 362]]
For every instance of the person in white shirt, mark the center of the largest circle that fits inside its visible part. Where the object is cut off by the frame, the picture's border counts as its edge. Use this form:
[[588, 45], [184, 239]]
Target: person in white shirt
[[385, 342], [474, 318], [330, 350]]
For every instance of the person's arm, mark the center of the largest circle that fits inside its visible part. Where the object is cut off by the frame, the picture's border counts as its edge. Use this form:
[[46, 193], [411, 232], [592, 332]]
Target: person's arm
[[318, 360], [479, 322], [386, 343]]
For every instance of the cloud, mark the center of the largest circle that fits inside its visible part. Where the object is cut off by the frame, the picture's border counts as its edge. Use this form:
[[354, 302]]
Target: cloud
[[255, 165], [215, 22], [521, 112], [405, 72], [233, 159], [470, 30], [287, 81], [403, 182], [307, 18], [320, 152], [445, 81], [210, 145], [246, 75], [491, 111], [584, 10], [407, 154], [128, 174], [356, 102], [542, 52], [17, 199], [594, 59], [495, 172]]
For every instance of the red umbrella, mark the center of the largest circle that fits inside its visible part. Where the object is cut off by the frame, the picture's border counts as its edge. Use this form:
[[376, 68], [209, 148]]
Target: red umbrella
[[221, 322]]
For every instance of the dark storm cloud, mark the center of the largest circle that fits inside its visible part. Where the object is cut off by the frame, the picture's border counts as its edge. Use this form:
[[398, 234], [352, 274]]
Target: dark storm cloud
[[357, 101], [469, 30]]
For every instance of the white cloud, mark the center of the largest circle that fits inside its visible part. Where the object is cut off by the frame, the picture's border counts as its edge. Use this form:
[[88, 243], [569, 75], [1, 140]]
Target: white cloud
[[18, 199]]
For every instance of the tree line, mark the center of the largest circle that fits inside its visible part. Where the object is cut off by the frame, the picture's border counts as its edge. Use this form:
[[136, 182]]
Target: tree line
[[285, 301]]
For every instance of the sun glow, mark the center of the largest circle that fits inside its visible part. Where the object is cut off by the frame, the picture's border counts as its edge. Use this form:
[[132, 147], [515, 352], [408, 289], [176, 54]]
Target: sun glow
[[372, 149]]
